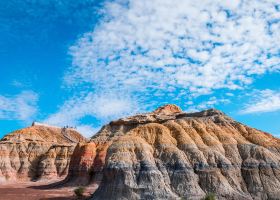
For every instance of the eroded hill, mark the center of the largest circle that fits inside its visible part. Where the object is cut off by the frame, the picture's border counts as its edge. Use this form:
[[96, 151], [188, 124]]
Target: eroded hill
[[169, 154], [37, 152]]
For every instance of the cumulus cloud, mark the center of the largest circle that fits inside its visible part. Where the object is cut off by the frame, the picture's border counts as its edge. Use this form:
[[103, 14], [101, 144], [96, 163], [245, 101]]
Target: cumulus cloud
[[104, 108], [210, 103], [187, 45], [21, 107], [172, 50], [263, 101], [87, 130]]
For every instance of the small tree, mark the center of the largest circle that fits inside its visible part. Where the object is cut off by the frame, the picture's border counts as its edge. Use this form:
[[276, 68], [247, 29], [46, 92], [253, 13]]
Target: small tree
[[210, 196], [79, 192]]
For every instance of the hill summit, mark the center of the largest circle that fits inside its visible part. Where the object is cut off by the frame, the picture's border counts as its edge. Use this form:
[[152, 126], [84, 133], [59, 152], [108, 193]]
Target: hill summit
[[170, 154], [168, 109]]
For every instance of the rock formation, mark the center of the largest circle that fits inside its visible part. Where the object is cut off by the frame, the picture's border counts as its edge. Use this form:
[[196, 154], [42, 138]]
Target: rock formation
[[37, 152], [169, 154]]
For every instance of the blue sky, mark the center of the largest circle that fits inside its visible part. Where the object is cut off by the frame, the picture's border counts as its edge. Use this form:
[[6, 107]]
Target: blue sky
[[84, 63]]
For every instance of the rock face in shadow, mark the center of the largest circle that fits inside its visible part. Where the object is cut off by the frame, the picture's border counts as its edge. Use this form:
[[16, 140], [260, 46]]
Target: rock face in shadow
[[169, 154], [37, 152]]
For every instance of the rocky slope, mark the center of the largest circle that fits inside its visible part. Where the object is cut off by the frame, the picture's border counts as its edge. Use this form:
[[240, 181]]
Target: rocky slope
[[37, 152], [169, 154]]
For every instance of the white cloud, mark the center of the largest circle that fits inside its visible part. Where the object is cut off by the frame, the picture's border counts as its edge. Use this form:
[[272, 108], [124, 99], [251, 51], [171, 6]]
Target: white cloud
[[104, 108], [229, 94], [159, 51], [87, 130], [22, 106], [210, 103], [185, 44], [17, 84], [263, 101]]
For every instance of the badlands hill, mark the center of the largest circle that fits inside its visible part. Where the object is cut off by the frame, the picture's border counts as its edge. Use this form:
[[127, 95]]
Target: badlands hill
[[36, 153], [169, 154], [165, 154]]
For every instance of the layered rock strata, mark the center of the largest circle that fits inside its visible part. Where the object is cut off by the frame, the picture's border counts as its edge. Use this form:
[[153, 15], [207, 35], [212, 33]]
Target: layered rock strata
[[169, 154], [37, 152]]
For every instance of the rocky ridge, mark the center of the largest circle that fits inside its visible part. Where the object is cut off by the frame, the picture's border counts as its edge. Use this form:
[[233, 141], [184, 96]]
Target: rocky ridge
[[169, 154], [37, 152]]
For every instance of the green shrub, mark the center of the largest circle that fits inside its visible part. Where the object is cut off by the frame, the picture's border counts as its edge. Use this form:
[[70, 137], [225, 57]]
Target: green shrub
[[79, 192], [210, 196]]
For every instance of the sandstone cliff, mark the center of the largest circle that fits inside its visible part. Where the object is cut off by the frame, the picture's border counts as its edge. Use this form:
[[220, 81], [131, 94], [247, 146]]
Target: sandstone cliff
[[37, 152], [169, 154]]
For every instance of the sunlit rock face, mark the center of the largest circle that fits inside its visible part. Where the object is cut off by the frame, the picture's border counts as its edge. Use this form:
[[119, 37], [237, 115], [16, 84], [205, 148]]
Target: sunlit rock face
[[37, 152], [169, 154]]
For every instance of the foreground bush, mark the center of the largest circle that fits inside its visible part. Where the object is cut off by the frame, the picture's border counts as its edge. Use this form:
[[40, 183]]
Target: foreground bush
[[79, 192], [210, 196]]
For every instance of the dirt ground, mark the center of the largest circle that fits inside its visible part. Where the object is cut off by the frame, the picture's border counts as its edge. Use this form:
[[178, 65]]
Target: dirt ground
[[37, 191]]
